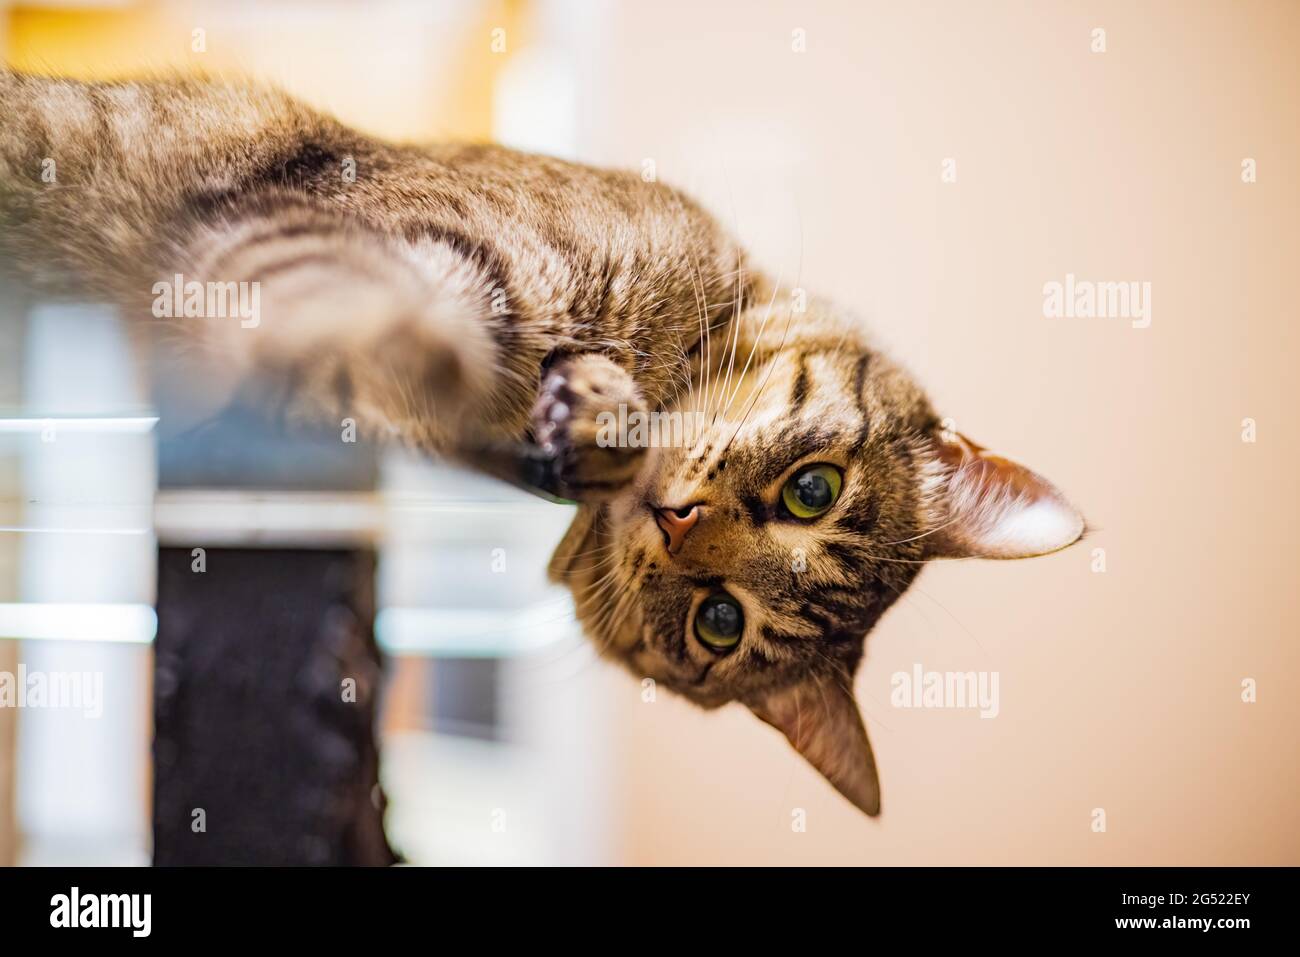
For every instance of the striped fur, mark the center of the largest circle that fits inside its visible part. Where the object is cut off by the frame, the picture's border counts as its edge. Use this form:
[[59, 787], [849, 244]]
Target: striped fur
[[455, 294]]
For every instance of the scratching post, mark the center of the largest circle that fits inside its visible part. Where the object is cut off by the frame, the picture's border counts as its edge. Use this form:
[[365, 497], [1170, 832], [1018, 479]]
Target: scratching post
[[266, 682]]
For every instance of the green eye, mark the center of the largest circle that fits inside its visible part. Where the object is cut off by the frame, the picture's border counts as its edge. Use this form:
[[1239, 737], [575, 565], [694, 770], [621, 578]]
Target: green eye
[[719, 622], [812, 490]]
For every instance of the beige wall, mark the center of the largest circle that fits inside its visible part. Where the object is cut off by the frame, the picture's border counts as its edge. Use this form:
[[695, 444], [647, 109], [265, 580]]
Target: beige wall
[[1119, 690]]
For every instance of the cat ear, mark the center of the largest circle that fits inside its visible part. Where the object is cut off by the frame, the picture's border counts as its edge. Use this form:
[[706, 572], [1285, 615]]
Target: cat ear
[[992, 507], [820, 718]]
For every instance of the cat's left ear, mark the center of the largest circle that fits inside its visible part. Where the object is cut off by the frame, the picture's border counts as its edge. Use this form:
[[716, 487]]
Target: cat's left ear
[[819, 716], [992, 507]]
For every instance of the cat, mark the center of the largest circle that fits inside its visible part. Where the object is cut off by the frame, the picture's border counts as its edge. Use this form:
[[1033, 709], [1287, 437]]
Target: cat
[[468, 298]]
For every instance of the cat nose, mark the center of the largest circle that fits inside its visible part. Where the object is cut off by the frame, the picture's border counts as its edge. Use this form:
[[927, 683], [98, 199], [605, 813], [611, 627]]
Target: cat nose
[[675, 523]]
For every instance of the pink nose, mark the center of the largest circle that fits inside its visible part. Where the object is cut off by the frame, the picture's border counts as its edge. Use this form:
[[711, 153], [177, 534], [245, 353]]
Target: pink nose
[[676, 522]]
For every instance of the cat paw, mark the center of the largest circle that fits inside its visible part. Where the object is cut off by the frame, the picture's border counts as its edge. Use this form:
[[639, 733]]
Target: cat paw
[[588, 455]]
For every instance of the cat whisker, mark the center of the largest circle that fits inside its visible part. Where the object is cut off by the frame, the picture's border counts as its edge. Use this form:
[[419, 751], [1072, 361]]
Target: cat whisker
[[754, 348], [784, 336], [735, 344], [604, 627], [598, 550], [937, 528], [762, 386]]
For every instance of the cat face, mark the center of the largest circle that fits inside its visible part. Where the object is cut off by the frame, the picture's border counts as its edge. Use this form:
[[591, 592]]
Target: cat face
[[764, 547], [762, 540]]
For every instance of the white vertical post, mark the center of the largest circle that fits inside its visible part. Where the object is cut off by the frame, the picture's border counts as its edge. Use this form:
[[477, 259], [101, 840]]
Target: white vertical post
[[82, 780]]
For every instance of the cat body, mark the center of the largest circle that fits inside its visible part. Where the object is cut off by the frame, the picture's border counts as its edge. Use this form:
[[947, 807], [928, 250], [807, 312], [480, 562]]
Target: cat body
[[465, 297]]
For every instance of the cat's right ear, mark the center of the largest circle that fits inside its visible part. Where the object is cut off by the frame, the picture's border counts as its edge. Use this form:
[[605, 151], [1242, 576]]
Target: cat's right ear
[[992, 507]]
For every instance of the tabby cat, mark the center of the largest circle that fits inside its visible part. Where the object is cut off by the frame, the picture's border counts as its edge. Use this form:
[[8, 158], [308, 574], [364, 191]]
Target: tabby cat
[[467, 299]]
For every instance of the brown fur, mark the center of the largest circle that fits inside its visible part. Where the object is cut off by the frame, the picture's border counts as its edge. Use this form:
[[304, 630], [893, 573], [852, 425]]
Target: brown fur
[[459, 294]]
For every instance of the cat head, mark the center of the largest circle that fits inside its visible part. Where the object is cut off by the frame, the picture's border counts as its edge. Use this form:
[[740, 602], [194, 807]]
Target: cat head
[[764, 538]]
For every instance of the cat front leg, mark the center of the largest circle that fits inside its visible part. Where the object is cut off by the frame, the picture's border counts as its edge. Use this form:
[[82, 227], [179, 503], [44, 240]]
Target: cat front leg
[[341, 322]]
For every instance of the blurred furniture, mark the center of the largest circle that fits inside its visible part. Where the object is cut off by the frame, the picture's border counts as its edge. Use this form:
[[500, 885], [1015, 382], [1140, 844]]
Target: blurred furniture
[[266, 683], [266, 677]]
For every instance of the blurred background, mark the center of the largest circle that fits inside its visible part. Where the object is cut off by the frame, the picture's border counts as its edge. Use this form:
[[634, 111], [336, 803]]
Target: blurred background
[[930, 165]]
